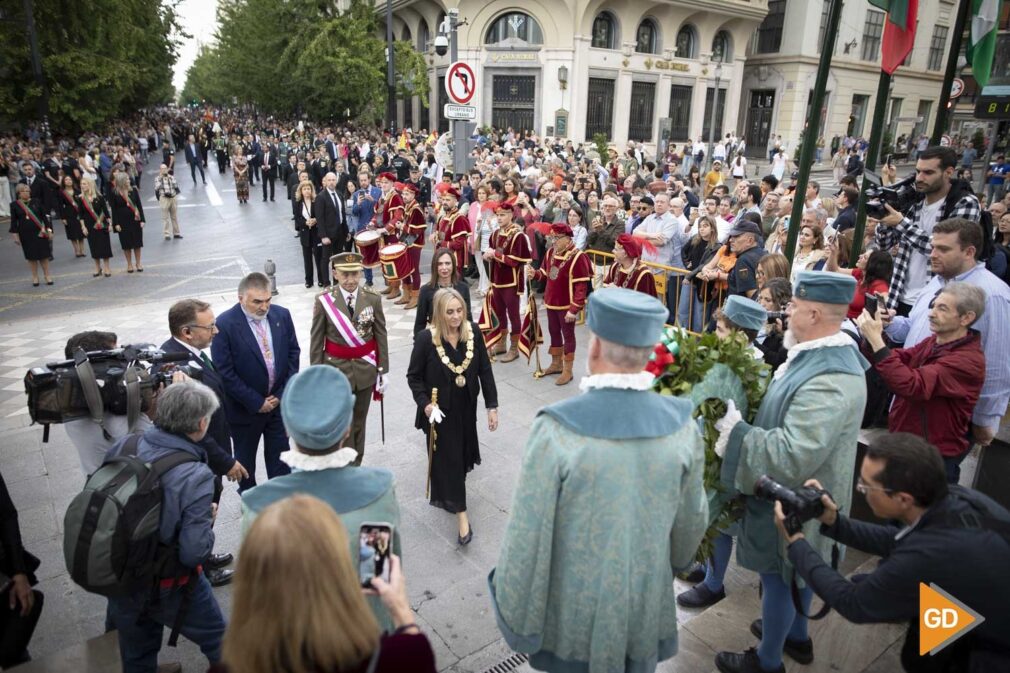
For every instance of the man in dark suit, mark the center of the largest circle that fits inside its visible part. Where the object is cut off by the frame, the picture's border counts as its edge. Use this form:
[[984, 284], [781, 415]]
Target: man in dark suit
[[255, 352], [195, 159], [269, 171], [34, 182], [330, 213], [256, 150], [191, 323]]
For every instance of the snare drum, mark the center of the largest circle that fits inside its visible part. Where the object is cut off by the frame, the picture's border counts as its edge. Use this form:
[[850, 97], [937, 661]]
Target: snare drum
[[368, 245], [395, 264]]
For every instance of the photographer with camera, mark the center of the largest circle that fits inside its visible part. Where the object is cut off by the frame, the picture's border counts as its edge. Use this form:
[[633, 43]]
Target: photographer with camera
[[943, 197], [806, 427], [904, 480]]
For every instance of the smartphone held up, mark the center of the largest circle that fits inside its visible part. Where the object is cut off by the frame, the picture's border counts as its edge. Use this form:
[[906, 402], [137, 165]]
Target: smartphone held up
[[375, 546]]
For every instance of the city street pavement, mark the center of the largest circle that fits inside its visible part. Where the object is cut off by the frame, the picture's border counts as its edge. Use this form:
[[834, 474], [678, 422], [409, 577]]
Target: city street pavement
[[447, 583]]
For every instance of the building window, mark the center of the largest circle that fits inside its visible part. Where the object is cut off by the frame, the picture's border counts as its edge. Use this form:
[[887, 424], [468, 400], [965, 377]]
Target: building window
[[605, 31], [872, 31], [645, 37], [643, 104], [922, 119], [680, 111], [514, 26], [860, 102], [722, 49], [707, 121], [600, 108], [936, 48], [422, 37], [769, 37], [687, 45]]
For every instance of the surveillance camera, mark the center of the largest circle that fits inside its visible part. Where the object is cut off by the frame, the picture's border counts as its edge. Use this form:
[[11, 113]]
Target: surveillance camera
[[441, 45], [454, 11]]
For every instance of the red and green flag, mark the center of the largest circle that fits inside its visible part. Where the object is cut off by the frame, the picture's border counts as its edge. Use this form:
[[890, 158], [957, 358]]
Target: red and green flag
[[899, 31], [981, 45]]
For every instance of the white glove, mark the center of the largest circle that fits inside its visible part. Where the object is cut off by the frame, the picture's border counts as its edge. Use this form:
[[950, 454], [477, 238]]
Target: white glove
[[725, 426], [381, 383], [436, 415]]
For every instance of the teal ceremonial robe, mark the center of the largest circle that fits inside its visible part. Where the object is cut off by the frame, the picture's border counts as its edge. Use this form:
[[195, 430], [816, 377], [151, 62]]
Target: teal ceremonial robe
[[356, 494], [807, 427], [610, 504]]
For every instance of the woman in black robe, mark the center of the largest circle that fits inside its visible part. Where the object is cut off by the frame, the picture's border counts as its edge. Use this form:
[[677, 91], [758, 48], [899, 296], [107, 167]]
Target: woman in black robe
[[95, 215], [70, 213], [128, 220], [33, 232], [450, 356], [443, 274]]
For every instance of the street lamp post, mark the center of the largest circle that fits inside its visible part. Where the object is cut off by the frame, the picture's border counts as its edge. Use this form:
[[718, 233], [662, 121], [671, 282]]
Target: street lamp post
[[390, 70], [715, 105]]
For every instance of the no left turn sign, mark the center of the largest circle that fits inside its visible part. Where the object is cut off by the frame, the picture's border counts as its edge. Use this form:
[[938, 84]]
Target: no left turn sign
[[460, 83]]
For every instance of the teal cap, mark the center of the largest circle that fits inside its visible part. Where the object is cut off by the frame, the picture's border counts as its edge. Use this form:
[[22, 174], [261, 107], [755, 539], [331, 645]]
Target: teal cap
[[745, 313], [626, 317], [317, 407], [825, 287]]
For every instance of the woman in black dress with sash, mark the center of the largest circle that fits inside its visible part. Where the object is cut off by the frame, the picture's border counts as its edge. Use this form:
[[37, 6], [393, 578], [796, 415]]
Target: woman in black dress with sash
[[128, 220], [443, 274], [308, 233], [70, 213], [95, 215], [451, 357], [33, 232]]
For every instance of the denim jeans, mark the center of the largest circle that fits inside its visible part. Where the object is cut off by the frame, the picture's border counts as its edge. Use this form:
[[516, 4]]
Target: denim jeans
[[140, 637]]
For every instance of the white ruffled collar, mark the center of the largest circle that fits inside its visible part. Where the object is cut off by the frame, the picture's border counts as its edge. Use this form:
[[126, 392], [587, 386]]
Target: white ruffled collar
[[636, 381], [833, 341], [310, 463]]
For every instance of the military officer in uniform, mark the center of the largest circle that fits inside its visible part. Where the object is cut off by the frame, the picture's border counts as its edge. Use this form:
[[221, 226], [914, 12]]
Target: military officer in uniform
[[508, 254], [568, 273], [349, 333]]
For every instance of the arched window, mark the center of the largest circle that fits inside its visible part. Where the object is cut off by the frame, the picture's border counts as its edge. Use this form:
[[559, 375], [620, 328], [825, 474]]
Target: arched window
[[605, 31], [514, 25], [422, 36], [406, 34], [646, 38], [722, 47], [686, 43]]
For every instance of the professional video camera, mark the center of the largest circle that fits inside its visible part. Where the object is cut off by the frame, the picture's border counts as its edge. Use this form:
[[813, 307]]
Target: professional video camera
[[900, 196], [120, 381], [799, 506]]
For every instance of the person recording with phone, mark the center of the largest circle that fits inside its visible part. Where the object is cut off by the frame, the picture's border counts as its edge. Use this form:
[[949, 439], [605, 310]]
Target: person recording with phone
[[317, 409], [904, 481], [937, 382]]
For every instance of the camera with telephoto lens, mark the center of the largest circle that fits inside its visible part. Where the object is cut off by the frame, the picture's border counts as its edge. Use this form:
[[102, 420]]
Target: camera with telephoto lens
[[799, 506], [119, 381], [778, 315], [901, 196]]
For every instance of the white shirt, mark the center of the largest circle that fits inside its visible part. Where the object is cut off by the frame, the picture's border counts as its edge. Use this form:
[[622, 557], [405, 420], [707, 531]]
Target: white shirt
[[918, 263], [350, 298]]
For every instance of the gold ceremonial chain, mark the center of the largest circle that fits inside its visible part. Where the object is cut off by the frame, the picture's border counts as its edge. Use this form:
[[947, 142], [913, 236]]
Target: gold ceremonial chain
[[456, 369]]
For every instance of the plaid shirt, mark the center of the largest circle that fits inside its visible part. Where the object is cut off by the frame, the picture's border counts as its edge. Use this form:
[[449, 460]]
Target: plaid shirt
[[165, 185], [911, 238]]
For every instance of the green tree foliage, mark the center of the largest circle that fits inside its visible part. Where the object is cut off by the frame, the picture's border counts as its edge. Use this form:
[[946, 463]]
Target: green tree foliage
[[302, 56], [101, 59]]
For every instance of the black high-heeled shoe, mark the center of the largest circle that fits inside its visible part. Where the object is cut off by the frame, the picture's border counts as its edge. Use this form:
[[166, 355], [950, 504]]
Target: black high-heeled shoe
[[463, 540]]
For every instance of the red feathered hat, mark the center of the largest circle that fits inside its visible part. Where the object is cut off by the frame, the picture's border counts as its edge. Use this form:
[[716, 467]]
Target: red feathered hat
[[386, 176], [632, 248]]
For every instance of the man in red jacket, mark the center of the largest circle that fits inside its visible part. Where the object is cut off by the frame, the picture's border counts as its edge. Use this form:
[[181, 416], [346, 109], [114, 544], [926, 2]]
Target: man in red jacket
[[936, 383]]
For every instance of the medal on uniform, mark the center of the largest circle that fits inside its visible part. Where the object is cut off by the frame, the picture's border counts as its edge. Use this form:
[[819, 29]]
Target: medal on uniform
[[553, 275]]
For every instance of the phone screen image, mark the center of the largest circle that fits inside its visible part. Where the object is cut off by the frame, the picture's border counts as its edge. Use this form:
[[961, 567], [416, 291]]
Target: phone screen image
[[375, 542]]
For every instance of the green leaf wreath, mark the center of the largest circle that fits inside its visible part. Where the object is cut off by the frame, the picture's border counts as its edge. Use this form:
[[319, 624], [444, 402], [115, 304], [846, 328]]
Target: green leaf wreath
[[708, 371]]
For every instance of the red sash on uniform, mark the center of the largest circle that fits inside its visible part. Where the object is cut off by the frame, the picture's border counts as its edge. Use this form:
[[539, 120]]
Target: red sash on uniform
[[43, 232], [335, 350]]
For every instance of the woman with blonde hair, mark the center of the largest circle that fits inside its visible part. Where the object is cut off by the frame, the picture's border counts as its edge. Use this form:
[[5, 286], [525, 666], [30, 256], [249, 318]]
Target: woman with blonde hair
[[128, 220], [95, 216], [772, 265], [450, 357], [308, 233], [298, 605]]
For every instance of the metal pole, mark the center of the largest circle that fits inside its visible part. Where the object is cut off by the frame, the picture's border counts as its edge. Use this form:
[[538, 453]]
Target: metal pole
[[711, 126], [870, 161], [40, 79], [813, 131], [456, 127], [948, 77], [390, 70]]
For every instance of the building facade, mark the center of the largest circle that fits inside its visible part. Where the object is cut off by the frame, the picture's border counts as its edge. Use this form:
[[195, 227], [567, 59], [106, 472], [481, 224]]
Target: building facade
[[578, 68], [782, 60]]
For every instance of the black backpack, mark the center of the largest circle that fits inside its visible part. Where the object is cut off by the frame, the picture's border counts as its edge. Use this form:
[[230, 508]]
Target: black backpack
[[110, 532]]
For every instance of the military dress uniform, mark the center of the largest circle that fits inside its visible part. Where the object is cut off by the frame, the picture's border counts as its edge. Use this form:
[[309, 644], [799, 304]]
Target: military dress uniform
[[388, 219], [414, 227], [511, 251], [353, 353], [568, 276]]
